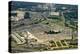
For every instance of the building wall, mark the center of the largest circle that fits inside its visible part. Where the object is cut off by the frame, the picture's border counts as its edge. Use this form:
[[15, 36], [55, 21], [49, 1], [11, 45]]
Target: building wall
[[19, 15], [54, 13]]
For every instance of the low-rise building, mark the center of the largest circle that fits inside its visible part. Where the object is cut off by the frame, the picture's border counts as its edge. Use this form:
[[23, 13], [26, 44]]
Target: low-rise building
[[55, 13], [17, 15]]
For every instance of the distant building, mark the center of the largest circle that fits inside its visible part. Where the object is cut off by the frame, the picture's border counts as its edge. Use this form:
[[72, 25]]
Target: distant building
[[18, 15], [54, 13]]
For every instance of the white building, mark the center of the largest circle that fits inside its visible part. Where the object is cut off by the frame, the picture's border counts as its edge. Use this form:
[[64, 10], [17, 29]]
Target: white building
[[17, 15], [55, 13]]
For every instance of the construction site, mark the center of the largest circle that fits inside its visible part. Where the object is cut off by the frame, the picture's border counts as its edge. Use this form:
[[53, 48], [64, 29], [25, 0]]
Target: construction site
[[43, 27]]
